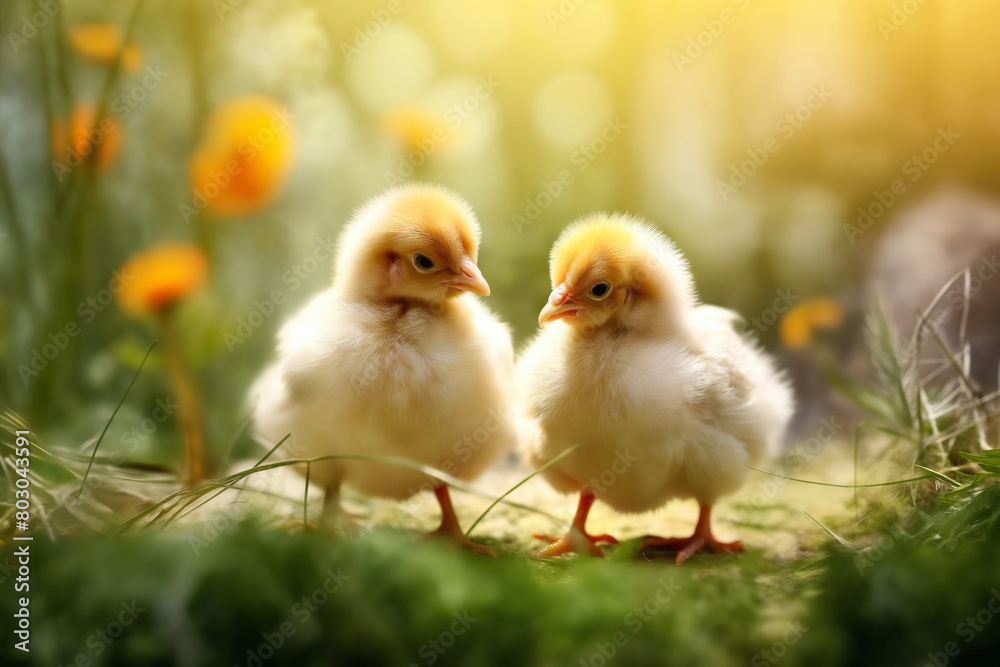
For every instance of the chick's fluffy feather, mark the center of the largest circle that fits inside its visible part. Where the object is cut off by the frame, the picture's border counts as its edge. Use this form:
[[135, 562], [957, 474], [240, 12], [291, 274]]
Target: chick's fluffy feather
[[359, 374], [665, 399]]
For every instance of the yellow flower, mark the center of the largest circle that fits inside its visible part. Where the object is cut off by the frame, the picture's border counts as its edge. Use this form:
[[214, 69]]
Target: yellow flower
[[100, 43], [157, 277], [417, 129], [802, 321], [84, 137], [244, 157]]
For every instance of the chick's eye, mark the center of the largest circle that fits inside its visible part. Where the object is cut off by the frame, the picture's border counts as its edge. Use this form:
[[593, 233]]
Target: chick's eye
[[422, 262], [600, 290]]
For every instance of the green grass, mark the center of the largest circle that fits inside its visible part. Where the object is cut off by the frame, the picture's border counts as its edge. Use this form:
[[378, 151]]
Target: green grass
[[208, 601]]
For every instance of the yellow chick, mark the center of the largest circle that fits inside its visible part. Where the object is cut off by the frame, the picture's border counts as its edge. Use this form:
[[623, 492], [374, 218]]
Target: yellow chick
[[664, 398], [397, 358]]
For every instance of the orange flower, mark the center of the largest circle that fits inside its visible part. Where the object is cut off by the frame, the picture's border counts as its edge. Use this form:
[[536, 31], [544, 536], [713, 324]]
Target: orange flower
[[152, 280], [802, 321], [85, 136], [157, 277], [244, 158], [100, 43], [416, 129]]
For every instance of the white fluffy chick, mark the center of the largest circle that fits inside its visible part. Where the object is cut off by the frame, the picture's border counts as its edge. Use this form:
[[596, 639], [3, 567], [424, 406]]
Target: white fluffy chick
[[662, 395], [397, 358]]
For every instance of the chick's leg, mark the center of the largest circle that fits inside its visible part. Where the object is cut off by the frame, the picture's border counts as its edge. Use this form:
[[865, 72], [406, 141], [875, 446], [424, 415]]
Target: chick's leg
[[329, 520], [688, 546], [333, 519], [450, 528], [577, 540]]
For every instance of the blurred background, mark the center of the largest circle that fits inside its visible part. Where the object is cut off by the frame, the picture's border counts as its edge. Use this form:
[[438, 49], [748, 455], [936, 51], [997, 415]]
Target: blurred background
[[215, 149]]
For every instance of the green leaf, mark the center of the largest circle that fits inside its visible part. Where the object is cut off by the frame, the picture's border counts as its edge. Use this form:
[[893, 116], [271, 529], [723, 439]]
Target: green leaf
[[941, 477], [958, 495], [988, 462], [987, 454]]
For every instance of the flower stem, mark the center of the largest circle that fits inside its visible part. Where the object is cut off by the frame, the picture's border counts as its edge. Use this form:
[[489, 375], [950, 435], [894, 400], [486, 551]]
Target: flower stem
[[188, 396]]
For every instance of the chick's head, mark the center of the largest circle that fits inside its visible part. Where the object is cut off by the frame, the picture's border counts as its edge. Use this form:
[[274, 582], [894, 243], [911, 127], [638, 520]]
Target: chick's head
[[616, 270], [414, 243]]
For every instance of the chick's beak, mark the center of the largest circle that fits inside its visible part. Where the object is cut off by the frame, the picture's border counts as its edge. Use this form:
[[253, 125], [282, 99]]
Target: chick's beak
[[560, 305], [469, 279]]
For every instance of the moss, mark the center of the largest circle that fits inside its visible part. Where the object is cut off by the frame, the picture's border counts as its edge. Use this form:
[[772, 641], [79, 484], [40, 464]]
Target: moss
[[387, 600], [254, 594]]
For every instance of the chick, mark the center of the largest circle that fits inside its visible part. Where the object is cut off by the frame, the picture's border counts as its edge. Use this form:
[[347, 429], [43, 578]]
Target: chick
[[664, 398], [397, 358]]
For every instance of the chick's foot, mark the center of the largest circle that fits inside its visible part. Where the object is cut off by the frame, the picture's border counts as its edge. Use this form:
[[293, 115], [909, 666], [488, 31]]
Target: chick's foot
[[577, 540], [574, 541], [450, 528], [689, 546]]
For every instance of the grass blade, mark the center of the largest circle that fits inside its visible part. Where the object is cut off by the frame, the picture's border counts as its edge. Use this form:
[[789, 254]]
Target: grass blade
[[941, 477], [857, 447], [840, 486], [272, 450], [832, 534], [191, 494], [305, 499], [177, 515], [545, 467], [112, 418], [234, 440]]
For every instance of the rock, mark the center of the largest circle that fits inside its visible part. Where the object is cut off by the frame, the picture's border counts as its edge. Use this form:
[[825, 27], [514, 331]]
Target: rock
[[926, 246]]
